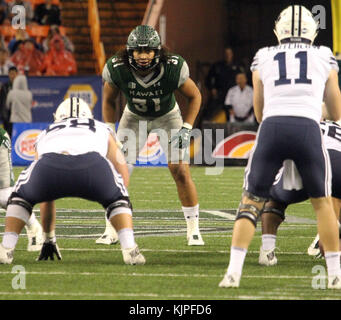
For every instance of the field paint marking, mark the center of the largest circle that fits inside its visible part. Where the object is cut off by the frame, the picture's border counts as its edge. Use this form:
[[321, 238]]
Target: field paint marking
[[155, 295], [216, 212], [102, 211], [168, 250], [134, 274], [94, 235], [78, 294], [232, 217], [258, 236], [226, 215]]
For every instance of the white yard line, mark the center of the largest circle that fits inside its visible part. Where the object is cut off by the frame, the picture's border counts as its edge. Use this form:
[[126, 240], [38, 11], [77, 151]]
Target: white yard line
[[258, 236], [226, 215], [117, 248], [230, 216], [78, 294], [166, 275], [169, 296]]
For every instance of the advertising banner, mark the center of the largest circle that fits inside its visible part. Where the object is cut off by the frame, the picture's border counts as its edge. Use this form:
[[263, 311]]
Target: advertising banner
[[227, 144], [49, 92], [25, 134], [152, 153]]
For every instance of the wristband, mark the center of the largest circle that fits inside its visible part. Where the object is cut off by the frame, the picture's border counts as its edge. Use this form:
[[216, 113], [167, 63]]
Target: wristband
[[111, 125], [187, 126]]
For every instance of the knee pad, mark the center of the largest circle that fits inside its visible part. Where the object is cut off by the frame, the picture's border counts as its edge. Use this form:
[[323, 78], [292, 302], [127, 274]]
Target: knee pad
[[253, 197], [250, 211], [122, 205], [276, 208], [19, 208]]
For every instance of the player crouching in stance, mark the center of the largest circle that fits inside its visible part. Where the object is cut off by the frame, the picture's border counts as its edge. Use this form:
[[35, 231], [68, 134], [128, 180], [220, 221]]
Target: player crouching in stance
[[33, 227], [289, 82], [76, 156]]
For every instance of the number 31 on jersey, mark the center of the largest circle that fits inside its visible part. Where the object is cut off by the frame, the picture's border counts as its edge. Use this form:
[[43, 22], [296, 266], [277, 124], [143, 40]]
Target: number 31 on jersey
[[141, 104]]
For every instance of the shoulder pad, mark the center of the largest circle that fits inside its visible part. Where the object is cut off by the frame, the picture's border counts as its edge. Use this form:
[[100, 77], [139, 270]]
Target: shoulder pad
[[173, 60], [115, 61]]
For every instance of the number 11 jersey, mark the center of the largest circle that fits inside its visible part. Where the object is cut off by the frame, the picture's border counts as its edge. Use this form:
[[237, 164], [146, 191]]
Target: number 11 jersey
[[294, 77]]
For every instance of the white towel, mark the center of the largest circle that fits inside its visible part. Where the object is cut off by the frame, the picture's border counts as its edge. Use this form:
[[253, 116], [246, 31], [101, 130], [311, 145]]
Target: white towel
[[291, 177]]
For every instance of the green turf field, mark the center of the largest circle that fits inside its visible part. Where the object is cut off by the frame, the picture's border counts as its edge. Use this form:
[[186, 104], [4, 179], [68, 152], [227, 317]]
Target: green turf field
[[173, 270]]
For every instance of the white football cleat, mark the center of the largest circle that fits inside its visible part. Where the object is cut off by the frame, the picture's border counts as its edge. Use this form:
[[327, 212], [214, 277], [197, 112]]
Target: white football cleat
[[6, 255], [334, 282], [35, 237], [314, 249], [193, 234], [133, 256], [230, 281], [267, 257], [109, 236], [195, 239]]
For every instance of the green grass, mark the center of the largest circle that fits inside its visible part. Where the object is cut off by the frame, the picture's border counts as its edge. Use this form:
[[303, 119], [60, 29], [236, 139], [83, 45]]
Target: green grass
[[173, 270]]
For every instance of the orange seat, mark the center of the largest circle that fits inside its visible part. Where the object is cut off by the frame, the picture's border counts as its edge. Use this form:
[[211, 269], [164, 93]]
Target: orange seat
[[37, 2], [7, 31], [38, 32], [62, 30]]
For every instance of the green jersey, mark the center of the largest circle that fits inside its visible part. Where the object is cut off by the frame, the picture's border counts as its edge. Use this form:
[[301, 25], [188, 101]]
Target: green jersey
[[4, 139], [6, 170], [153, 95]]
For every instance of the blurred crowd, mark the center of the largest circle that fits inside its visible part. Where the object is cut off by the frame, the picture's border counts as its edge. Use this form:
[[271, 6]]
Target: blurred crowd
[[42, 48]]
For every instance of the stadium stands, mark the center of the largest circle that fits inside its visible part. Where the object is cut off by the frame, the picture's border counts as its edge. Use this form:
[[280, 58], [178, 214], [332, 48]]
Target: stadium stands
[[38, 32], [116, 19], [37, 2]]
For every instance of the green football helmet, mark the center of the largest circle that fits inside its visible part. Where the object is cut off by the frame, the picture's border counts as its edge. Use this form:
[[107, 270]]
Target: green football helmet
[[144, 37]]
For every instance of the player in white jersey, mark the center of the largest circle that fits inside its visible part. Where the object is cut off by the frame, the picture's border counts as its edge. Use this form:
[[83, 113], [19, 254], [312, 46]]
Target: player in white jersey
[[293, 76], [76, 156], [288, 189], [290, 80], [332, 136]]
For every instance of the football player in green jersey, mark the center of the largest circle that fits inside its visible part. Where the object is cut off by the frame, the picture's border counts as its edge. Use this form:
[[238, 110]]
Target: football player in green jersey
[[148, 76], [33, 227]]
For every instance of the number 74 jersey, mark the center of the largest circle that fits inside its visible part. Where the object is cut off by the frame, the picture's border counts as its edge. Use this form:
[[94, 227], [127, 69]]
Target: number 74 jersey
[[74, 136], [331, 135], [294, 77]]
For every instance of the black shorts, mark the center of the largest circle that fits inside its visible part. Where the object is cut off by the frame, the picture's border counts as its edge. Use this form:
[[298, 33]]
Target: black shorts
[[287, 197], [278, 194], [335, 160], [295, 138], [89, 176]]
